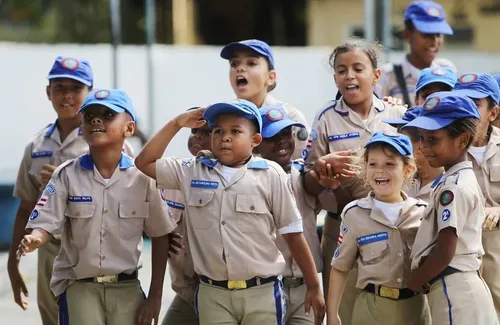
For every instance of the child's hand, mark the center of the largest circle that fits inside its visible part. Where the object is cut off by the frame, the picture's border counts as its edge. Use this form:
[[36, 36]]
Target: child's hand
[[315, 298], [492, 216], [148, 311], [28, 245], [46, 174], [394, 101], [191, 119], [330, 180], [175, 240], [341, 163], [417, 287]]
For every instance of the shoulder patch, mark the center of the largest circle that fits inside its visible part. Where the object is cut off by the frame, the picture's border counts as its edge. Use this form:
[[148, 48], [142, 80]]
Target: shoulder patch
[[446, 215], [446, 198]]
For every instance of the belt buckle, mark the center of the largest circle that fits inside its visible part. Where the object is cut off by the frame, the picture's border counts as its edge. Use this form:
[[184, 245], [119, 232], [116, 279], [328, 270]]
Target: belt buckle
[[236, 284], [386, 292], [106, 279]]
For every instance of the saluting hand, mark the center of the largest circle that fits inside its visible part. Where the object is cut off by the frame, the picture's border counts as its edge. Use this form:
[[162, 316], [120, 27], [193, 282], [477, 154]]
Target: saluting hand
[[315, 298], [192, 119]]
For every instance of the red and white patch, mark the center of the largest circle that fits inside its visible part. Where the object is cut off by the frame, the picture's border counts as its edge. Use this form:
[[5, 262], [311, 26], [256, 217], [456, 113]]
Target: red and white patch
[[70, 64], [101, 94], [431, 103], [468, 78], [340, 240], [42, 201], [434, 12]]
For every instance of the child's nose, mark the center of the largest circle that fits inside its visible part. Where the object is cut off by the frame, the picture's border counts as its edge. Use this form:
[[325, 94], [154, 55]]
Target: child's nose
[[96, 120]]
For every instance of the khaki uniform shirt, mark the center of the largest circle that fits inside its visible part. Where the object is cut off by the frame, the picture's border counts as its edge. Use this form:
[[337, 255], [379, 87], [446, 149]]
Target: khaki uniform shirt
[[415, 191], [301, 134], [309, 208], [339, 128], [101, 221], [184, 279], [232, 225], [457, 202], [381, 249]]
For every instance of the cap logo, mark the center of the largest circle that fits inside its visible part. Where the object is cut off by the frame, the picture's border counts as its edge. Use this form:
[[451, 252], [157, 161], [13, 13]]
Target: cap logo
[[101, 94], [70, 64], [468, 78], [434, 12], [275, 114], [431, 103], [439, 72], [391, 134]]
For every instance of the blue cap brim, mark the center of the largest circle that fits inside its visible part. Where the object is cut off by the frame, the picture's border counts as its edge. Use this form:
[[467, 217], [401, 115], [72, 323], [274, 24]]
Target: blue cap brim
[[83, 81], [432, 27], [399, 149], [444, 82], [274, 128], [471, 93], [112, 107], [427, 123], [394, 121], [211, 113], [228, 50]]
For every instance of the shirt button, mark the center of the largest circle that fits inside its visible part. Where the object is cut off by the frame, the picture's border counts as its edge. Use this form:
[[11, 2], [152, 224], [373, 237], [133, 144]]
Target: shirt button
[[200, 201], [103, 258], [252, 208], [399, 254], [399, 280], [223, 223], [133, 213], [105, 211], [77, 214]]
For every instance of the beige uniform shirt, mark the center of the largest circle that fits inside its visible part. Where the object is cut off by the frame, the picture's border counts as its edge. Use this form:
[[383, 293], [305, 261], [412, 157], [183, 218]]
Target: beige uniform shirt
[[46, 148], [182, 275], [415, 191], [388, 83], [232, 224], [338, 128], [101, 221], [301, 134], [309, 208], [381, 248], [455, 202]]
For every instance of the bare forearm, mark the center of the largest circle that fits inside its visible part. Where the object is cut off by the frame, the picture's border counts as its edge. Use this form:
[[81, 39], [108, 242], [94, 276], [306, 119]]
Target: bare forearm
[[154, 149], [302, 255], [19, 231], [337, 283], [159, 256]]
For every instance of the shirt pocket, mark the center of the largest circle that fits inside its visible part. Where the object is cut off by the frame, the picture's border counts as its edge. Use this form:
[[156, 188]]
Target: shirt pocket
[[198, 213], [80, 218], [251, 213], [132, 218], [373, 253]]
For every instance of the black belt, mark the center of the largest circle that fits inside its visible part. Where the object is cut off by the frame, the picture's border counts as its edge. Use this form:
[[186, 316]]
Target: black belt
[[447, 271], [293, 282], [391, 293], [233, 285], [112, 278], [333, 215]]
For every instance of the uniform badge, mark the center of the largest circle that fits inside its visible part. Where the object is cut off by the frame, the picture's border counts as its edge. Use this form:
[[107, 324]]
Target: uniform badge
[[446, 198], [343, 227], [101, 94], [431, 103], [438, 72], [70, 64], [468, 78], [275, 114], [391, 134], [314, 135], [434, 12], [302, 134], [337, 252], [34, 215], [446, 215], [50, 189], [305, 154], [340, 240]]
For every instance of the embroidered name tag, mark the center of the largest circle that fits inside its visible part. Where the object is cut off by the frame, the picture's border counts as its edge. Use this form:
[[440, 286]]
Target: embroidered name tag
[[344, 136], [175, 205], [80, 198], [41, 154], [204, 184], [372, 238]]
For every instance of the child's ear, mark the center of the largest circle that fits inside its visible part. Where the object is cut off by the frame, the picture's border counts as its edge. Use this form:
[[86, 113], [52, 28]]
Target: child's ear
[[272, 78], [129, 129], [493, 114], [47, 91], [409, 171], [256, 139], [463, 140], [376, 72]]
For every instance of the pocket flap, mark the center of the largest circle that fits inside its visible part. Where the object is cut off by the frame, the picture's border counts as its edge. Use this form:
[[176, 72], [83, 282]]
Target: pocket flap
[[79, 210], [250, 204], [200, 198], [495, 173], [374, 250], [134, 209]]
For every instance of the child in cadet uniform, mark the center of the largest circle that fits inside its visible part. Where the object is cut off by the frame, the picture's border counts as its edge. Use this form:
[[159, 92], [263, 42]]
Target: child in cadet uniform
[[339, 131], [431, 80], [497, 121], [377, 234], [184, 280], [485, 158], [425, 24], [252, 76], [236, 205], [70, 80], [447, 249], [278, 146], [101, 204]]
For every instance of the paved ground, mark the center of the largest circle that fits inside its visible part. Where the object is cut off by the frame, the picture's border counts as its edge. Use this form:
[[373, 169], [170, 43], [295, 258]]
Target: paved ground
[[10, 313]]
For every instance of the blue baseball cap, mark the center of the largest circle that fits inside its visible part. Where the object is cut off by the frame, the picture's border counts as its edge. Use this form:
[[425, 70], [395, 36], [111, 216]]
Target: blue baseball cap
[[442, 108], [431, 75], [398, 141], [428, 17], [407, 117], [241, 107], [275, 119], [115, 99], [497, 78], [258, 46], [71, 68], [478, 85]]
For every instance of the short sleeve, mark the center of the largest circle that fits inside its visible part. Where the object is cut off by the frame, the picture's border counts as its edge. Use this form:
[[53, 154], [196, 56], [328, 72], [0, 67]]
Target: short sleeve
[[346, 252], [26, 187], [170, 171], [159, 222], [283, 206], [453, 205], [317, 143]]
